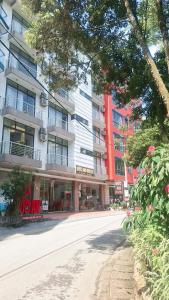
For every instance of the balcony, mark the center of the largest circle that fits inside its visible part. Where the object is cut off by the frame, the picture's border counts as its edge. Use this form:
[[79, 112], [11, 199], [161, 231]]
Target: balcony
[[11, 2], [59, 163], [99, 145], [60, 128], [100, 172], [17, 34], [98, 120], [21, 111], [97, 99], [16, 72], [65, 99], [12, 154]]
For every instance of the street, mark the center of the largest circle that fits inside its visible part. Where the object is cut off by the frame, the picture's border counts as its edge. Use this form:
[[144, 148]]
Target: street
[[57, 260]]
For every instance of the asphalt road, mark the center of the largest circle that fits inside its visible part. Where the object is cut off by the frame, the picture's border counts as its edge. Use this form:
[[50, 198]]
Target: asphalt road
[[57, 260]]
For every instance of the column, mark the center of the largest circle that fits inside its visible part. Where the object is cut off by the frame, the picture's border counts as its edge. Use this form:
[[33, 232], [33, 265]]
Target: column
[[76, 195], [102, 194], [36, 194]]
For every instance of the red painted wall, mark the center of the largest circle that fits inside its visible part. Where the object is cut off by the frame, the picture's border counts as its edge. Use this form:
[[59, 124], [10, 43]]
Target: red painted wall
[[110, 129]]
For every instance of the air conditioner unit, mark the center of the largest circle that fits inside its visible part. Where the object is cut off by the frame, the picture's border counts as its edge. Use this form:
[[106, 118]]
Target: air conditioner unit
[[42, 134], [102, 109], [43, 99], [104, 156], [103, 132]]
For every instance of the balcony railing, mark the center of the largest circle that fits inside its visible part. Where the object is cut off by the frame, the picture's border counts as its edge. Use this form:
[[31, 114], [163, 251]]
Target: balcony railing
[[58, 123], [14, 63], [23, 106], [60, 160], [12, 148]]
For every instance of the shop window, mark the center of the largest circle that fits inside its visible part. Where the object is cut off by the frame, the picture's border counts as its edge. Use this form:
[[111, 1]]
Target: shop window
[[119, 166]]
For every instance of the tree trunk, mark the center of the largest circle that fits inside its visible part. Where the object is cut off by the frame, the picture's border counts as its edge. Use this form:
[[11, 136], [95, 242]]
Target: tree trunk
[[164, 30], [154, 70]]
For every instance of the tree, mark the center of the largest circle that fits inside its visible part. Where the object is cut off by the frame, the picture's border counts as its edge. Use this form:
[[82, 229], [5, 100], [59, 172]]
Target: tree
[[137, 145], [115, 36], [14, 188]]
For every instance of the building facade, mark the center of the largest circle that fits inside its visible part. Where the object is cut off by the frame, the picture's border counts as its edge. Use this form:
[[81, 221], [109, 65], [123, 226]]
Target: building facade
[[63, 148], [118, 128]]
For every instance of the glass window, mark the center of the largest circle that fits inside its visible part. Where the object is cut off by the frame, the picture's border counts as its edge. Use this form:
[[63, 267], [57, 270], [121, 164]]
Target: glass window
[[96, 135], [95, 111], [117, 119], [19, 25], [85, 95], [57, 117], [25, 59], [3, 14], [57, 150], [119, 166], [118, 142], [2, 56], [20, 98], [114, 98]]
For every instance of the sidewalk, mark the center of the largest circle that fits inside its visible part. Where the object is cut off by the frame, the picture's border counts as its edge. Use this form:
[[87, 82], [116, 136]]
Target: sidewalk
[[80, 215], [116, 278]]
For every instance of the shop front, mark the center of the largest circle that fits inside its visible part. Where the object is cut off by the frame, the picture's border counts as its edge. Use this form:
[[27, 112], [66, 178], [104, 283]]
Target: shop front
[[56, 195], [89, 197]]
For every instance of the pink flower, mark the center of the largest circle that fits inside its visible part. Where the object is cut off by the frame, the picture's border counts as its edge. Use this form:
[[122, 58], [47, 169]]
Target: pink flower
[[155, 251], [150, 207], [143, 171], [166, 188], [151, 149]]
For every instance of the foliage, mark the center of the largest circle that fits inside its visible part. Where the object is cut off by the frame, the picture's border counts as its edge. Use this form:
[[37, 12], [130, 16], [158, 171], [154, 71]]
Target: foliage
[[150, 191], [14, 188], [137, 145], [152, 252], [115, 36]]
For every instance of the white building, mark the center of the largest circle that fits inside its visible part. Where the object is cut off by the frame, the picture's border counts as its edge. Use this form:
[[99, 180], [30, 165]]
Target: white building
[[66, 159]]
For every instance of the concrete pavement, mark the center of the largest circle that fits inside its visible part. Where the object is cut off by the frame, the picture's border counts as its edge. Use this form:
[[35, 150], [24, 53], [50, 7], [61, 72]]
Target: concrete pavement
[[57, 260]]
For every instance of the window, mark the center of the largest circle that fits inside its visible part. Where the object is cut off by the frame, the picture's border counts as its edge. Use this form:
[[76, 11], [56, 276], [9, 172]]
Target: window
[[20, 98], [19, 25], [95, 111], [85, 95], [119, 166], [96, 135], [25, 59], [57, 117], [79, 118], [97, 162], [57, 150], [130, 170], [3, 14], [118, 142], [63, 93], [114, 98], [1, 61], [117, 119], [86, 151]]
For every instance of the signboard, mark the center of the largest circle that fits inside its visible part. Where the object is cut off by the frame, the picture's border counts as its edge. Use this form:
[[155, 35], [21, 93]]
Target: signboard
[[118, 188], [45, 205], [84, 171]]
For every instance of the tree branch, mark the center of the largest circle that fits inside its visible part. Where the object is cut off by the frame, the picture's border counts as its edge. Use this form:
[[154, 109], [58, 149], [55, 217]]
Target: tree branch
[[154, 70]]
